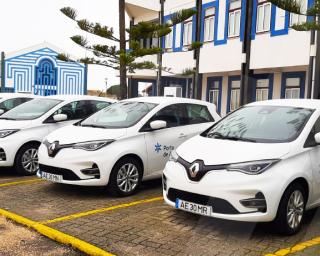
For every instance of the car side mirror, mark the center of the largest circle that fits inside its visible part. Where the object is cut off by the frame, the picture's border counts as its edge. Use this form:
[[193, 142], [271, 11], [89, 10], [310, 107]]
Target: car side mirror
[[158, 124], [60, 117], [317, 138], [1, 111]]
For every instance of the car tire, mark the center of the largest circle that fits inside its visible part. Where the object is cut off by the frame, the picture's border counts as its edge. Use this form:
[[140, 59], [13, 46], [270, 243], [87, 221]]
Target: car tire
[[125, 177], [293, 201], [26, 160]]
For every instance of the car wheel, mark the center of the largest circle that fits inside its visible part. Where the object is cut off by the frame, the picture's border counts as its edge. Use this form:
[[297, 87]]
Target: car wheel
[[291, 210], [125, 177], [26, 161]]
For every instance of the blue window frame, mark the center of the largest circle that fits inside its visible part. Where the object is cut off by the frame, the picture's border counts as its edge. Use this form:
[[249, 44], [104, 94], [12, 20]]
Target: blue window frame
[[214, 91], [293, 85], [263, 87], [233, 93]]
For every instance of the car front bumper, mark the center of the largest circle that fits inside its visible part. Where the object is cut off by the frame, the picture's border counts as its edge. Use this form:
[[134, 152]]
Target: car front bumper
[[224, 191], [70, 163]]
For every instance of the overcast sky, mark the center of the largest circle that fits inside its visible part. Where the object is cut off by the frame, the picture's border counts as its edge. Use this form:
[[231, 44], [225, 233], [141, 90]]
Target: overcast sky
[[26, 23]]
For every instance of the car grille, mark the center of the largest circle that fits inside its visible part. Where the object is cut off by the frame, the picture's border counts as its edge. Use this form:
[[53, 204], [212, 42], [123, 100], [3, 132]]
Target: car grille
[[3, 156], [66, 174], [218, 205]]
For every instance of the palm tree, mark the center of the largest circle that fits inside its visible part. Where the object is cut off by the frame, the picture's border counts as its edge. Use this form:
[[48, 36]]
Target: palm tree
[[123, 69]]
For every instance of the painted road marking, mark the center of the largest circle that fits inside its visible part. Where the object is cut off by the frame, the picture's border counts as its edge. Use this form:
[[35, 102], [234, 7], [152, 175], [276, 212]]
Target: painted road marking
[[14, 183], [107, 209], [296, 248], [56, 235]]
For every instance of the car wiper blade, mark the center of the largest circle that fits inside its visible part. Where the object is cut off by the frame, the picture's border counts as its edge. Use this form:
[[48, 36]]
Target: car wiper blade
[[7, 118], [93, 126], [219, 135]]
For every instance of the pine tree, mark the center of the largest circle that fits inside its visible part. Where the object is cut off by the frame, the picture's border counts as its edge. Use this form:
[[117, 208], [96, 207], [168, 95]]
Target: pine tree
[[295, 6], [114, 56]]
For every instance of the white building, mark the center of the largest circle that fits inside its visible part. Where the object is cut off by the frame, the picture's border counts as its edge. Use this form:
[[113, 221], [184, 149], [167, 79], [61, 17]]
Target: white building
[[279, 54]]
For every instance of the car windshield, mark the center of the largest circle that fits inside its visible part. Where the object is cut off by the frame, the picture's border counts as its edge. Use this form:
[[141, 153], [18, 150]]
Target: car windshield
[[31, 110], [263, 124], [119, 115]]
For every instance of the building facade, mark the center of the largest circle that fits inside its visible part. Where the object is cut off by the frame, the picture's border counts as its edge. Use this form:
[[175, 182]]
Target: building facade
[[36, 70], [279, 55]]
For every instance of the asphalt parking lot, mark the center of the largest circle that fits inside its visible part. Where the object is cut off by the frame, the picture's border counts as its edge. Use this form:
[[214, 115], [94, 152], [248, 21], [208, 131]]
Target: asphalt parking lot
[[142, 224]]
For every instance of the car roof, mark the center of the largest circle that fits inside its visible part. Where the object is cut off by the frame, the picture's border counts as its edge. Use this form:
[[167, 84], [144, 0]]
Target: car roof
[[17, 95], [297, 103], [167, 100], [80, 97]]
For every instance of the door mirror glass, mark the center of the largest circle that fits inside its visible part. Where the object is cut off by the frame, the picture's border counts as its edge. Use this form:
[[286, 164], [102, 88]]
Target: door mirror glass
[[60, 117], [1, 111], [158, 124], [317, 138]]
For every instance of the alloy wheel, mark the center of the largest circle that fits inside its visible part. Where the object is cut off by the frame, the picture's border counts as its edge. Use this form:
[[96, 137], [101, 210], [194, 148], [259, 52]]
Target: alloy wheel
[[128, 178], [30, 160], [295, 209]]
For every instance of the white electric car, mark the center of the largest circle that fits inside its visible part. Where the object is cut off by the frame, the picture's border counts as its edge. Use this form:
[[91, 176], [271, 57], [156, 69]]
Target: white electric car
[[23, 128], [9, 101], [124, 143], [261, 163]]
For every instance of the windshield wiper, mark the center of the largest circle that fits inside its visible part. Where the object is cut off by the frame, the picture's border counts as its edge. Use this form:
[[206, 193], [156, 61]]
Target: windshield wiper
[[219, 135], [93, 126], [7, 118]]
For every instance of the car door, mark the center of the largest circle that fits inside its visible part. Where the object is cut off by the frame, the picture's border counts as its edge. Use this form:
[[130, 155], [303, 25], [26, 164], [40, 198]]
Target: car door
[[314, 154], [160, 143]]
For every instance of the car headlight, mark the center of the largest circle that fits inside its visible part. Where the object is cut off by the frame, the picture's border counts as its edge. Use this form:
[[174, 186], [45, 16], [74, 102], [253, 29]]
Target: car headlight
[[6, 133], [252, 168], [92, 145], [173, 156]]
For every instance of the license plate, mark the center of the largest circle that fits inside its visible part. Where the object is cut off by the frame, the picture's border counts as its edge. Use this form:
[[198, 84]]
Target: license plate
[[51, 177], [194, 208]]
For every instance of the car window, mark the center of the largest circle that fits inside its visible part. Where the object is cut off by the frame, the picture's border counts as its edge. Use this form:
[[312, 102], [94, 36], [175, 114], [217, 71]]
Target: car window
[[31, 110], [12, 103], [315, 129], [119, 115], [175, 115], [198, 114]]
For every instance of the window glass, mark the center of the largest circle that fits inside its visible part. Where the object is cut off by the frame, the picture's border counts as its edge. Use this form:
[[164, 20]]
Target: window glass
[[174, 115], [31, 110], [187, 33], [198, 114], [293, 82], [168, 40], [12, 103], [119, 115], [235, 4], [263, 17], [262, 94], [292, 88], [234, 18], [214, 97], [209, 24], [296, 18], [263, 124]]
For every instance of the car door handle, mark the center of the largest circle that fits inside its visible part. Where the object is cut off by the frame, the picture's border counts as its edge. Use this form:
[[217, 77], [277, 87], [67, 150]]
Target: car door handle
[[182, 136]]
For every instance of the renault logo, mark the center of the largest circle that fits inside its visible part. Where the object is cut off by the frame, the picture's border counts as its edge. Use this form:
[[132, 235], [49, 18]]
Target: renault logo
[[194, 169], [52, 147]]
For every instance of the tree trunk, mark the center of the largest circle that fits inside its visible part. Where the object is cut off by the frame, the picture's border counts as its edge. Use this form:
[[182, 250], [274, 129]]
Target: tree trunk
[[196, 84], [159, 72], [123, 68]]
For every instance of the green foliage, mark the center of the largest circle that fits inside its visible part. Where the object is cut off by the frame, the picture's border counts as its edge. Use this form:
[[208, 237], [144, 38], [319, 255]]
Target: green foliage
[[195, 45], [288, 5], [114, 90], [307, 26], [188, 72], [182, 15], [69, 12], [111, 56]]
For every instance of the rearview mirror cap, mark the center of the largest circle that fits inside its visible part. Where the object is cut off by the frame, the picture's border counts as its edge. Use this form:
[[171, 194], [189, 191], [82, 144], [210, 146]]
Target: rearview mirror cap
[[159, 124], [317, 138], [60, 117], [1, 111]]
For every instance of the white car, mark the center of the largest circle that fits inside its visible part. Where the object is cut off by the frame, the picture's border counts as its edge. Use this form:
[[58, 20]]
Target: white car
[[9, 101], [261, 163], [23, 128], [124, 143]]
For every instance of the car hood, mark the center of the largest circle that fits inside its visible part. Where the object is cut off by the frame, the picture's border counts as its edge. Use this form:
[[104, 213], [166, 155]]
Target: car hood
[[74, 134], [218, 152], [12, 124]]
